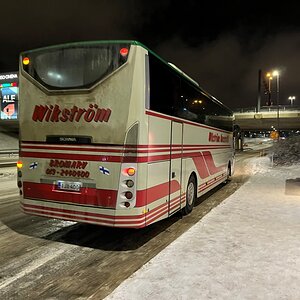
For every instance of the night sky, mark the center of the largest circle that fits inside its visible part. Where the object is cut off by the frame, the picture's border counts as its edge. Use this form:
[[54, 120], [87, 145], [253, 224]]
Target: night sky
[[221, 44]]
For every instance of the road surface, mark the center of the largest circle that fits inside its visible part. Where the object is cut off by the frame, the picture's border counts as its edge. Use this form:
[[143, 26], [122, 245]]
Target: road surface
[[53, 259]]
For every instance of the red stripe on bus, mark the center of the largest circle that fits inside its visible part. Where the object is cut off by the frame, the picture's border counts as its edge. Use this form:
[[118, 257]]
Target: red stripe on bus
[[210, 163], [66, 148], [96, 197], [153, 219], [85, 213], [135, 224], [164, 208], [108, 158], [115, 158], [87, 196], [201, 188], [137, 220], [166, 157], [105, 147], [156, 192], [165, 205], [163, 148], [99, 158], [66, 216], [201, 166], [166, 117]]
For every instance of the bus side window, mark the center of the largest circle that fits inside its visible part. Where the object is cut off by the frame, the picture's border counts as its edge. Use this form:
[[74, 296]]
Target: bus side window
[[164, 87], [193, 103]]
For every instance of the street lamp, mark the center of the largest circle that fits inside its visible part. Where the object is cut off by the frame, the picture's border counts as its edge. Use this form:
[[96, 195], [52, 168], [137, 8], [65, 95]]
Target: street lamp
[[292, 99], [270, 79], [276, 73]]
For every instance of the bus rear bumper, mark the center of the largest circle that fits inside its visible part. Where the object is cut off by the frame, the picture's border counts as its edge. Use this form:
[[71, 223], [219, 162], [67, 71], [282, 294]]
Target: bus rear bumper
[[83, 214]]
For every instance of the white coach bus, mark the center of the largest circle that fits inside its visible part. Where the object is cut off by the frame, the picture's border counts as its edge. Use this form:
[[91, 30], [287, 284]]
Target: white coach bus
[[112, 134]]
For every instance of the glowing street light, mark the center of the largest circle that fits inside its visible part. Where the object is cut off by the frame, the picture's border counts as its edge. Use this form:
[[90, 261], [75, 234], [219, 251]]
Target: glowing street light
[[269, 76], [292, 99]]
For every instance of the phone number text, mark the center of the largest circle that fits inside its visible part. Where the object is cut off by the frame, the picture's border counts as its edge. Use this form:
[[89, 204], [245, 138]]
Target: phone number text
[[69, 173]]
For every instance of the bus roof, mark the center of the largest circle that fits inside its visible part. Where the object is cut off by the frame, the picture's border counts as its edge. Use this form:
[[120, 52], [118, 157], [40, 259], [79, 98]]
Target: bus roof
[[136, 43]]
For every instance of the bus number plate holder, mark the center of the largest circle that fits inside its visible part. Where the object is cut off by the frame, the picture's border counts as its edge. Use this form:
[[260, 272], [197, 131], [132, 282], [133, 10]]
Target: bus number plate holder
[[69, 185]]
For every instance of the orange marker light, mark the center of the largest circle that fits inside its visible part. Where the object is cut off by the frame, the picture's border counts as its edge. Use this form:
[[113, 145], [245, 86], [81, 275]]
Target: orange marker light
[[131, 171], [19, 164], [26, 61]]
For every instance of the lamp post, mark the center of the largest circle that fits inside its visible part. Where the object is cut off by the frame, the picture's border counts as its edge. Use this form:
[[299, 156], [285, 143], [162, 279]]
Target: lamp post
[[292, 99], [269, 76], [276, 73], [258, 91]]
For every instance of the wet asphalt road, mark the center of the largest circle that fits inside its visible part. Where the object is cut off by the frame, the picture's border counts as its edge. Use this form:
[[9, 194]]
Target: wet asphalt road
[[53, 259]]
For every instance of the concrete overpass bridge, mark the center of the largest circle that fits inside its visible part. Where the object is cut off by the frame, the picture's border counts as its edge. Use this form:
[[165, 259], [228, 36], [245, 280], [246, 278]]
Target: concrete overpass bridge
[[287, 117]]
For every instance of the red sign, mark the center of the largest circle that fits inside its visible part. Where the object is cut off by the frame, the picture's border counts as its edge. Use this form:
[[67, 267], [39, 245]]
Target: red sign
[[55, 113], [219, 138], [69, 168]]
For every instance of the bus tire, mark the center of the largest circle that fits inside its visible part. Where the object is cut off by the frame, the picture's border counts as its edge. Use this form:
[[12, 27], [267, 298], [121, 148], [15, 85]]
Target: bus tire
[[191, 192], [228, 173]]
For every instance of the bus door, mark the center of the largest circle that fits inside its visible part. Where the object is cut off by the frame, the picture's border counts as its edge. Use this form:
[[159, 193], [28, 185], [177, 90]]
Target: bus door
[[175, 167]]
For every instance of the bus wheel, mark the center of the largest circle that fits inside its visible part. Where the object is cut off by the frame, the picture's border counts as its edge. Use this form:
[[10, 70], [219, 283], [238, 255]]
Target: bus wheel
[[190, 196]]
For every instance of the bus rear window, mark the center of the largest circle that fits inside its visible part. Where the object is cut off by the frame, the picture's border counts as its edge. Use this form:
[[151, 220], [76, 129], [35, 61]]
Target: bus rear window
[[74, 66]]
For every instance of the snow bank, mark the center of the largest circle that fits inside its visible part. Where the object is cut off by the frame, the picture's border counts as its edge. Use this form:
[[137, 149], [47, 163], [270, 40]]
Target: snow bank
[[287, 152]]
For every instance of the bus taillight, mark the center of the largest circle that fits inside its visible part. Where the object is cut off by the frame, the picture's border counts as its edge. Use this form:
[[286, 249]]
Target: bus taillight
[[26, 61], [128, 195], [19, 164], [130, 171], [124, 52]]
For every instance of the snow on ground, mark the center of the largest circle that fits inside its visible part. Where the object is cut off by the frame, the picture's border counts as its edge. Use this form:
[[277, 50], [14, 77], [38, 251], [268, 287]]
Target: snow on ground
[[245, 248], [257, 143]]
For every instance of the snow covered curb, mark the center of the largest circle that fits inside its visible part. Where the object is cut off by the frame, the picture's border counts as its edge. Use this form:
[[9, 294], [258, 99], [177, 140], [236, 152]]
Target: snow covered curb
[[245, 248]]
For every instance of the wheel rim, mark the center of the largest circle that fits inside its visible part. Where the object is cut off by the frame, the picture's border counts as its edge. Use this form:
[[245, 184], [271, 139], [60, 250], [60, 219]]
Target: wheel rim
[[190, 193]]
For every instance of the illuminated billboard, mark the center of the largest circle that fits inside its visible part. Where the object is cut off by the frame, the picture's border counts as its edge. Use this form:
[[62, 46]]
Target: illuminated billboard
[[9, 83]]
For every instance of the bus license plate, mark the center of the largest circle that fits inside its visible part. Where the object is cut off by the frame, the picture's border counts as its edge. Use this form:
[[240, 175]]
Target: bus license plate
[[69, 185]]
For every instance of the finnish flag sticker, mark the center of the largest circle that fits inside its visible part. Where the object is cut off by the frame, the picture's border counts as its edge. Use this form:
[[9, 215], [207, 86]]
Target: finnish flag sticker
[[33, 165], [104, 170]]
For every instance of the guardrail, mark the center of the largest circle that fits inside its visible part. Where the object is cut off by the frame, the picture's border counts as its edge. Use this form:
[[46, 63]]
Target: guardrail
[[8, 157], [266, 109], [8, 164], [9, 152]]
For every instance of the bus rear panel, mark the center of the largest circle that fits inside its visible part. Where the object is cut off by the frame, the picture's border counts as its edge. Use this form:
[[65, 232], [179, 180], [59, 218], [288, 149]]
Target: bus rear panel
[[78, 139]]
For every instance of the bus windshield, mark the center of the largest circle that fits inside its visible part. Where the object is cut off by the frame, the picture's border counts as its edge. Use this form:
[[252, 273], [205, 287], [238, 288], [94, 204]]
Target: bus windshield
[[74, 66]]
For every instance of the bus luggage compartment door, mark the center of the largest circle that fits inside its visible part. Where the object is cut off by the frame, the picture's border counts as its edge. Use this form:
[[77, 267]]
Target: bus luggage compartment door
[[175, 167]]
